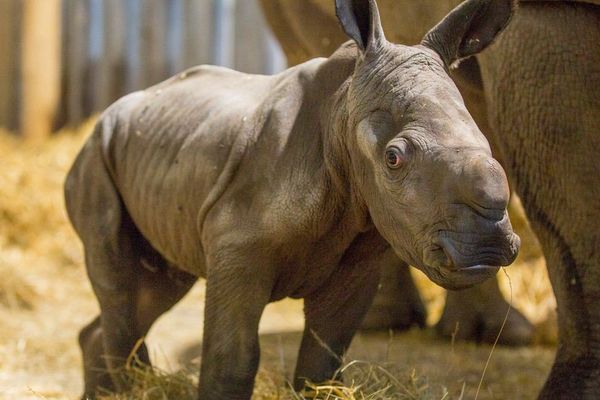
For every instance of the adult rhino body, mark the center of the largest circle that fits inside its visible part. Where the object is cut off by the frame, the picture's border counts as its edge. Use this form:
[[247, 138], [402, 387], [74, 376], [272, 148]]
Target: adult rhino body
[[291, 185], [535, 95]]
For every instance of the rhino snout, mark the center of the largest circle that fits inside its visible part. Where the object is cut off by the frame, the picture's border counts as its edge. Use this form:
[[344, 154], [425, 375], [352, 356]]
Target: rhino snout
[[461, 254]]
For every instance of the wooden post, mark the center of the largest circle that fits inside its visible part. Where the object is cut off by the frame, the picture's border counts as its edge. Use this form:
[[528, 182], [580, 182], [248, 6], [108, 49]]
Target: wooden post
[[154, 41], [133, 73], [40, 66], [198, 32], [250, 38], [9, 61], [114, 49], [224, 32]]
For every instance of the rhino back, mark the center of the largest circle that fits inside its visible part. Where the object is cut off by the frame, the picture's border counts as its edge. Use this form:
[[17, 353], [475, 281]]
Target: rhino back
[[308, 28], [174, 148]]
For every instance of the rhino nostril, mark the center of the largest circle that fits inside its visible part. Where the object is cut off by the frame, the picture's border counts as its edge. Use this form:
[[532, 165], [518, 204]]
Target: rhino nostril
[[448, 262], [491, 213]]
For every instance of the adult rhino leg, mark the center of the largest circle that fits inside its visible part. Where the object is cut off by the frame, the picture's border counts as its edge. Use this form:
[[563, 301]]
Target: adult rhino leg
[[542, 80], [397, 304], [334, 312], [477, 314]]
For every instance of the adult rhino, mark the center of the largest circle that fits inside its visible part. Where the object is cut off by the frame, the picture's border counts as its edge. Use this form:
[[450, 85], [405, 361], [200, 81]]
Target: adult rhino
[[289, 185], [535, 94]]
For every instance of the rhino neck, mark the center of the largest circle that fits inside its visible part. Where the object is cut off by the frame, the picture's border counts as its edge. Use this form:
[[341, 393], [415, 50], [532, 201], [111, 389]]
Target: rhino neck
[[332, 80]]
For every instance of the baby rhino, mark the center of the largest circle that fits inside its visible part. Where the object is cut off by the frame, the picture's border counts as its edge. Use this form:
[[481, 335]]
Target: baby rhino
[[287, 185]]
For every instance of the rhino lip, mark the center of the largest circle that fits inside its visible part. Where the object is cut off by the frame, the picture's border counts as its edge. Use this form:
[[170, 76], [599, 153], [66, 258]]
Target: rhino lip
[[479, 268]]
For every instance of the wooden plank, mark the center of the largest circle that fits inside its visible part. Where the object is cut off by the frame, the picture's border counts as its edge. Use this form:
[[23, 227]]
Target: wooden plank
[[154, 41], [250, 46], [76, 41], [133, 61], [9, 39], [224, 33], [175, 50], [96, 82], [40, 67], [198, 32], [110, 66], [276, 61], [115, 47]]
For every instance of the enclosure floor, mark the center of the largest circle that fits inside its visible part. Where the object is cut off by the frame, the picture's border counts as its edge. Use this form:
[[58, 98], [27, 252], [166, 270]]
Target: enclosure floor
[[45, 298], [44, 359]]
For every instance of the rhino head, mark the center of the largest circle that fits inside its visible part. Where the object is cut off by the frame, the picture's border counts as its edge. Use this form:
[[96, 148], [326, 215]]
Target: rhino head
[[422, 166]]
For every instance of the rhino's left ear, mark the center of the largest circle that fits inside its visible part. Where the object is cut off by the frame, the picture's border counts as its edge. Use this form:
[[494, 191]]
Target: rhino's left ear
[[469, 28], [360, 20]]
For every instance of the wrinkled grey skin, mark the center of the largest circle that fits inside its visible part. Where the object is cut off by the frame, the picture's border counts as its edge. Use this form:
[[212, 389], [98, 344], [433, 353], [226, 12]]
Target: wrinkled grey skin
[[281, 186], [535, 95], [306, 29]]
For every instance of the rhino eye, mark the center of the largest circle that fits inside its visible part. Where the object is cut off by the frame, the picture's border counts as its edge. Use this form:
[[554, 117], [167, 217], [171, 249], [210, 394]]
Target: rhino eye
[[393, 157]]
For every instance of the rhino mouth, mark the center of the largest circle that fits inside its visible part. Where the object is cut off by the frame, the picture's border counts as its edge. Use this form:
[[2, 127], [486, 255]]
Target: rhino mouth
[[479, 268], [467, 276], [459, 264], [471, 253]]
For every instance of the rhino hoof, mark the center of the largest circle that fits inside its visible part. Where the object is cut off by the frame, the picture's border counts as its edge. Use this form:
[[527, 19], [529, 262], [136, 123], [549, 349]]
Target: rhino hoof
[[484, 326], [385, 317]]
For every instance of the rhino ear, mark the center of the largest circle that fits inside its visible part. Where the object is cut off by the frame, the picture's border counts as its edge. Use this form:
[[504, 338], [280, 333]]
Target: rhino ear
[[469, 28], [360, 20]]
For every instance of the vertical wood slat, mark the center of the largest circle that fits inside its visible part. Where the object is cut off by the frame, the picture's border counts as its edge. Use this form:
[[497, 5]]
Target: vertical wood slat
[[250, 38], [9, 63], [113, 56], [108, 73], [40, 67], [198, 32], [141, 42], [133, 63], [154, 41], [77, 38], [223, 43], [96, 82], [174, 48]]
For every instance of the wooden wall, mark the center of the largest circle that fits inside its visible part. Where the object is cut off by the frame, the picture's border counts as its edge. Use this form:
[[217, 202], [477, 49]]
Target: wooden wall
[[107, 48]]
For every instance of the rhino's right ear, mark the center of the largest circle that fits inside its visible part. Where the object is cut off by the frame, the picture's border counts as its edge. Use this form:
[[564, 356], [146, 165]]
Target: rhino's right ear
[[469, 28], [360, 20]]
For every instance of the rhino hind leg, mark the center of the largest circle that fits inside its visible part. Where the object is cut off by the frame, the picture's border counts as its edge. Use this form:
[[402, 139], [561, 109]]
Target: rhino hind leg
[[106, 348], [96, 375], [476, 314], [132, 283], [397, 304]]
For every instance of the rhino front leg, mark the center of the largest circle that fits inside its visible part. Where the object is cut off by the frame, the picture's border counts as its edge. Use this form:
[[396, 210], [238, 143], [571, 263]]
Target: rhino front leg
[[236, 296], [335, 311]]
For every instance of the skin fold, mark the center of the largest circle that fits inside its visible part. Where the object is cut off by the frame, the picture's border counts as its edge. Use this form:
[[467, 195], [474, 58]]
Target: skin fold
[[534, 93], [293, 185]]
